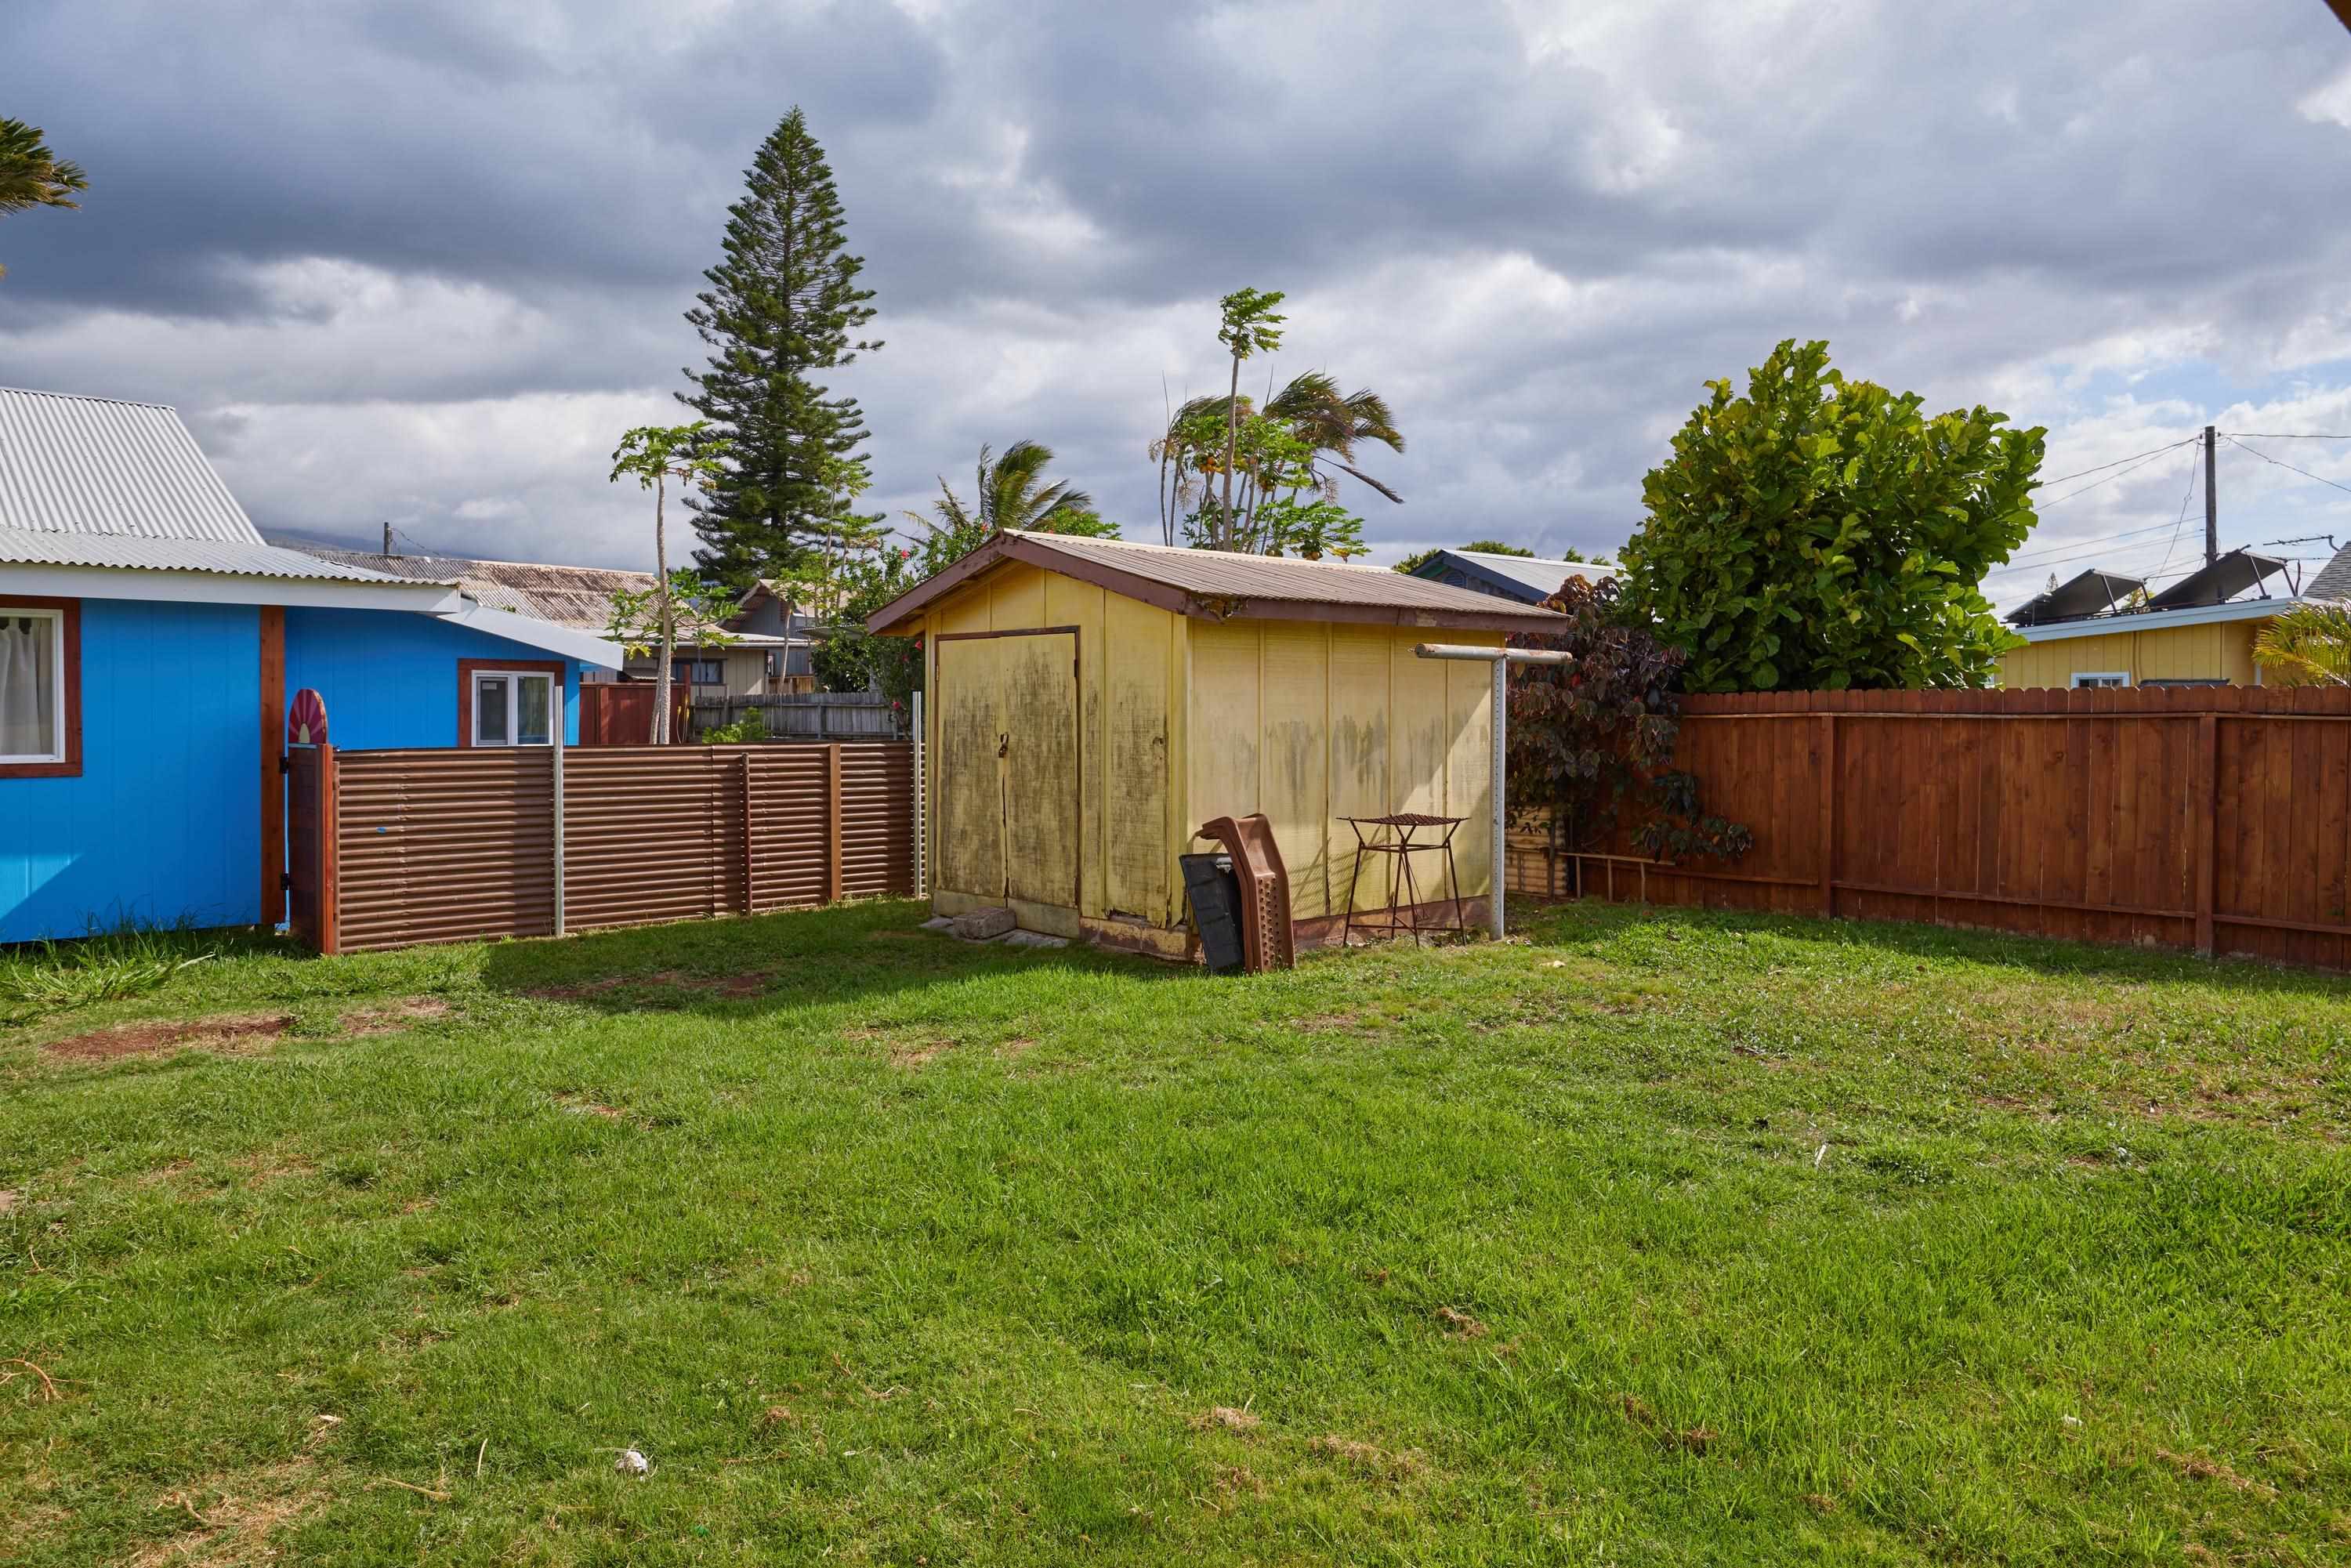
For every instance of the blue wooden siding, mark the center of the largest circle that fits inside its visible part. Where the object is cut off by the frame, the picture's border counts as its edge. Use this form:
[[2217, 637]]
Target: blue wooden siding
[[389, 678], [163, 826], [164, 823]]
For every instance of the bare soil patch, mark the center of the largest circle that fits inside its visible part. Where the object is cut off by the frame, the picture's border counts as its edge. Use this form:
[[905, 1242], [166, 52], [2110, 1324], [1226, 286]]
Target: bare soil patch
[[1460, 1324], [1368, 1457], [230, 1519], [227, 1034], [749, 984], [394, 1017], [1225, 1418]]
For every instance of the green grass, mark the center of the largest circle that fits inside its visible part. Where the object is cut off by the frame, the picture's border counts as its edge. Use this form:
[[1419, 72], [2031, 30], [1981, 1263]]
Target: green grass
[[1684, 1238]]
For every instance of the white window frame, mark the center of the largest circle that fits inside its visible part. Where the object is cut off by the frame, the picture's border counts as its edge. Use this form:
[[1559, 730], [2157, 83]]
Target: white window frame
[[513, 679], [57, 619], [2101, 680]]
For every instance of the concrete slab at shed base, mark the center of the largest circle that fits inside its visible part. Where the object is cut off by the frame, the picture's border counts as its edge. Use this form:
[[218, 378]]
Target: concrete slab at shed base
[[983, 924], [1033, 939]]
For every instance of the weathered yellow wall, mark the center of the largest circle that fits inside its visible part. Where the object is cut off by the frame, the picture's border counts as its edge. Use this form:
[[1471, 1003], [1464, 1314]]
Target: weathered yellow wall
[[1310, 722], [2217, 651], [1128, 655], [1182, 720]]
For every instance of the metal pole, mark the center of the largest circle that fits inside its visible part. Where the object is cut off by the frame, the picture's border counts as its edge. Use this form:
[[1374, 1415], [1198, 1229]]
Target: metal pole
[[557, 757], [1501, 775], [2211, 503], [1501, 658], [922, 824]]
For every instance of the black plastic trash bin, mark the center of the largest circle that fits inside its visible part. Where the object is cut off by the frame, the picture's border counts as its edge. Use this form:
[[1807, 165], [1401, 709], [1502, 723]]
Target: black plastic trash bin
[[1216, 896]]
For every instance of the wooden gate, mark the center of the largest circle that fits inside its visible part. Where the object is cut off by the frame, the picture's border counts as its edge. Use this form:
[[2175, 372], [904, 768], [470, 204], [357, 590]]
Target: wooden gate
[[620, 713], [310, 845], [1008, 771]]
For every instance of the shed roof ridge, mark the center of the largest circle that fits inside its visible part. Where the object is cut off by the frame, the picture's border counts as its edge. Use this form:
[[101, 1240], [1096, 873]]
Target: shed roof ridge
[[87, 397]]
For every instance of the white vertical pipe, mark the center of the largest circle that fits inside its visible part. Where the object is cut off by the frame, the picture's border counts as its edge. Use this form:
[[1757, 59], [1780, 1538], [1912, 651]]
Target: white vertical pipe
[[922, 821], [561, 718], [1502, 773]]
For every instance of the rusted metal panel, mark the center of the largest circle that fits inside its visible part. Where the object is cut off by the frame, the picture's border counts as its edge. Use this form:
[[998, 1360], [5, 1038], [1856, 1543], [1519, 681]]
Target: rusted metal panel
[[444, 845], [457, 845]]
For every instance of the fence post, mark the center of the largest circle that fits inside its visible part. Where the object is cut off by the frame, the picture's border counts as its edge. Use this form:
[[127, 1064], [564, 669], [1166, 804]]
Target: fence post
[[1828, 748], [832, 822], [555, 762], [922, 806], [330, 892], [2206, 826], [750, 861]]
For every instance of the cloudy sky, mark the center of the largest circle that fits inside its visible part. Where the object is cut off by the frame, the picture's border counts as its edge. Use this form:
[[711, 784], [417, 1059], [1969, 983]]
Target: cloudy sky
[[421, 262]]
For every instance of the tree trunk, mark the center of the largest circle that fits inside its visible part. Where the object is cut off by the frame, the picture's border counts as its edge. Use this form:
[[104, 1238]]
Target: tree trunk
[[1232, 447], [668, 621]]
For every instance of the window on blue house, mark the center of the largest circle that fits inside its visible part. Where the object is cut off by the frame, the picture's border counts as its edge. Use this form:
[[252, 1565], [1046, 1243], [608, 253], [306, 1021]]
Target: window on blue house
[[32, 686], [513, 707]]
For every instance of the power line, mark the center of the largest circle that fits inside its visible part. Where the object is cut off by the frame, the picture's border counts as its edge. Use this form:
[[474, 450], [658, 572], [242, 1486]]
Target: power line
[[2288, 467], [2093, 539], [2195, 471], [2144, 459], [2068, 478], [2282, 436]]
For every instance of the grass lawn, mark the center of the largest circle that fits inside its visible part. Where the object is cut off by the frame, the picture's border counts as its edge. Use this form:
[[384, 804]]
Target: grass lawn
[[1665, 1240]]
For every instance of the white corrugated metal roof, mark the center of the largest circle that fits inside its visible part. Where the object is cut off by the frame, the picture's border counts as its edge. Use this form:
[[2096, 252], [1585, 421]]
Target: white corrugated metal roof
[[93, 466], [34, 547]]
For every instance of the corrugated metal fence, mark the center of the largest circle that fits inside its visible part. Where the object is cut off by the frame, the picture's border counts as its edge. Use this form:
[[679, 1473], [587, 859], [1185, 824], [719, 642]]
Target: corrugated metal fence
[[2214, 818], [460, 845]]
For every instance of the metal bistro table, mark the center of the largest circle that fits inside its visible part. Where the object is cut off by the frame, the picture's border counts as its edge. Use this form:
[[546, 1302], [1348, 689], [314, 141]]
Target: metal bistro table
[[1393, 836]]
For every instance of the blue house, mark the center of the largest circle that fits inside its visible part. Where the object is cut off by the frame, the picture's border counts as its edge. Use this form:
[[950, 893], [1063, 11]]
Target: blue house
[[148, 644]]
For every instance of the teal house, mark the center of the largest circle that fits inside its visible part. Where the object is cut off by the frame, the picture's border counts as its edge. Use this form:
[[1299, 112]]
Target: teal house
[[150, 643]]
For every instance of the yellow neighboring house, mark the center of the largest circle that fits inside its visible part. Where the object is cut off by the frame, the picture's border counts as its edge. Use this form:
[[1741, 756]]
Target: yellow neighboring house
[[2103, 628]]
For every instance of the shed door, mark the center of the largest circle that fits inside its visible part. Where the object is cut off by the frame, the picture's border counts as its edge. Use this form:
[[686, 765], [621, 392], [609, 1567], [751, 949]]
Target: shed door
[[971, 794], [1007, 768], [1041, 813]]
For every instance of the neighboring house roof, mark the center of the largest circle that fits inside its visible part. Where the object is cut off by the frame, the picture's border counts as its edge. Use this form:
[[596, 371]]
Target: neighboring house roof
[[2157, 620], [2334, 579], [577, 596], [1225, 585], [1528, 579]]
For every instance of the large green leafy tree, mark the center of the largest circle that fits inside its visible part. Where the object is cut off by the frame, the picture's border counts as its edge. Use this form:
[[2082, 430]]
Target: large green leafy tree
[[31, 175], [782, 307], [1828, 534]]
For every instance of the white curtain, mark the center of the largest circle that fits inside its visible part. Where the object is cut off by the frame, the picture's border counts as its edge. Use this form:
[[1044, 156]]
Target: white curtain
[[28, 685]]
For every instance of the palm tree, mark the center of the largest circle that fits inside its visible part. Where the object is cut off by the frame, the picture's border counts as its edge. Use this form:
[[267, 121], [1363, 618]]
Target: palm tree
[[1011, 494], [2308, 645], [1311, 406], [30, 175]]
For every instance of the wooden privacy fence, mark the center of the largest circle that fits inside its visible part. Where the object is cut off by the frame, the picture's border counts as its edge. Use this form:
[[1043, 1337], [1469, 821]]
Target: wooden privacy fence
[[2211, 818], [620, 713], [461, 845], [804, 716]]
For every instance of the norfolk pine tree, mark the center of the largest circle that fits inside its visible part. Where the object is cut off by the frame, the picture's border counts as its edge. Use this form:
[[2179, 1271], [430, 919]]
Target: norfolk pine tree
[[782, 305]]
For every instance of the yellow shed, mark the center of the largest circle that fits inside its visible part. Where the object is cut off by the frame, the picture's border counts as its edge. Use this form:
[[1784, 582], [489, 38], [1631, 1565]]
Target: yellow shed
[[2105, 628], [1092, 701]]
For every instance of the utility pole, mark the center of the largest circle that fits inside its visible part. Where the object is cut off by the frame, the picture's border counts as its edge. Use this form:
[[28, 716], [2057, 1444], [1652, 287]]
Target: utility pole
[[387, 531], [2211, 503]]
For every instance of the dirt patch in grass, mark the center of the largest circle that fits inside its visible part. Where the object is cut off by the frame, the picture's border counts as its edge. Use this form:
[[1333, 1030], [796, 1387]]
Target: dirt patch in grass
[[230, 1519], [1460, 1324], [1224, 1418], [224, 1034], [8, 1197], [1369, 1459], [2195, 1467], [581, 1105], [749, 984], [267, 1166], [1014, 1049], [393, 1017]]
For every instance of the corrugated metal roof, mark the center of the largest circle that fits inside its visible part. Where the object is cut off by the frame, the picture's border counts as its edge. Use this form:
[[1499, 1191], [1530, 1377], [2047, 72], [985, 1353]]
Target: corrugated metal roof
[[34, 547], [1232, 574], [93, 466], [1534, 572], [1215, 583], [575, 596]]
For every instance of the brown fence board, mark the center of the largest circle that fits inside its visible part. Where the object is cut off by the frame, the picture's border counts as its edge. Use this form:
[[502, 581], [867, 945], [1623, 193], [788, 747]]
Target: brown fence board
[[2067, 814], [459, 844]]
